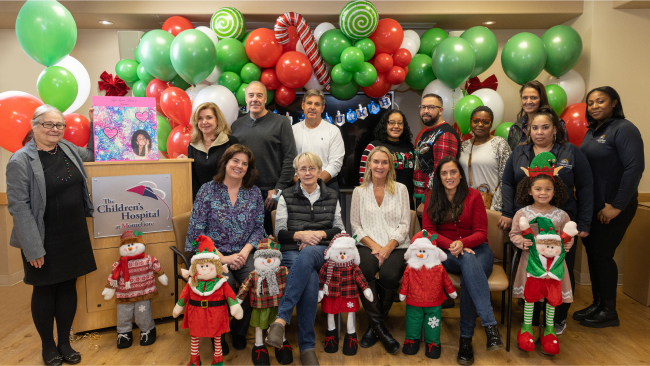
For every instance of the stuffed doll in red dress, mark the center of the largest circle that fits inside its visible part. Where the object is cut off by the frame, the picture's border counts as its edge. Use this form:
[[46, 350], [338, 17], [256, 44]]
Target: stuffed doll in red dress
[[340, 279], [206, 296]]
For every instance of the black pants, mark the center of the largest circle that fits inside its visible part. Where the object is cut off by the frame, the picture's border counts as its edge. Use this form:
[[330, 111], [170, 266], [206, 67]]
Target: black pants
[[238, 276], [49, 302], [390, 273], [268, 222], [601, 246]]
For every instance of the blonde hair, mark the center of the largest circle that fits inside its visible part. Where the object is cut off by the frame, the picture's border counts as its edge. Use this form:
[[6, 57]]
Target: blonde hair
[[217, 266], [390, 177], [312, 158], [222, 124]]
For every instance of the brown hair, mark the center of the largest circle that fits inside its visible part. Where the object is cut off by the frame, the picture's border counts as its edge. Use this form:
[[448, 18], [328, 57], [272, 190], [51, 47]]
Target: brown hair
[[217, 267], [526, 184], [390, 177], [549, 114], [541, 90], [251, 174], [222, 124]]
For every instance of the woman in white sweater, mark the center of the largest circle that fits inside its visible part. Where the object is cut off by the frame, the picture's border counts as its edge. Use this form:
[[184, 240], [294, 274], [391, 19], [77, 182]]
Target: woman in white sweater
[[380, 219]]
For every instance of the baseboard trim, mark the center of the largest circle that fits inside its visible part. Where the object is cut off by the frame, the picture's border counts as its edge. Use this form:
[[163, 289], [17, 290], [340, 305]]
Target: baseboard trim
[[12, 279], [585, 278]]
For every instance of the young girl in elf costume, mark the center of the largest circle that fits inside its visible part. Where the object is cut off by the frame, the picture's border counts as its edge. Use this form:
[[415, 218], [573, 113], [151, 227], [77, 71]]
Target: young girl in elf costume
[[542, 273], [206, 296]]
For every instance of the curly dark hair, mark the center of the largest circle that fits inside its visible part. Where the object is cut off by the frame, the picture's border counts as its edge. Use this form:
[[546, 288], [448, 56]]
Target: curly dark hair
[[381, 131], [524, 197], [440, 209]]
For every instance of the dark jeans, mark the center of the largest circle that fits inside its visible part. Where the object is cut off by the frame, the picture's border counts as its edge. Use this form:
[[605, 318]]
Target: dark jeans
[[268, 222], [240, 327], [390, 273]]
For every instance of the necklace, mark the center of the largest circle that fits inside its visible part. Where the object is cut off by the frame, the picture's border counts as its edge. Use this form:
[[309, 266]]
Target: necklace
[[51, 152], [65, 159]]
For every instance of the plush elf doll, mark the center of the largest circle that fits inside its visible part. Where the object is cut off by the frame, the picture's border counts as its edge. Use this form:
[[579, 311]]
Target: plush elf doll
[[340, 279], [424, 285], [134, 282], [207, 295], [266, 287], [545, 270]]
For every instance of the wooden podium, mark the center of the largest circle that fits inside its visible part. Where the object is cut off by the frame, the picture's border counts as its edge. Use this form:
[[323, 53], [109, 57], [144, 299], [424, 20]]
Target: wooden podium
[[93, 312]]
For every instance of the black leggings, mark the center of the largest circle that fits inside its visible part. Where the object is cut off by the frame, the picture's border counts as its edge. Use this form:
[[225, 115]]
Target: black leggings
[[390, 273], [49, 302]]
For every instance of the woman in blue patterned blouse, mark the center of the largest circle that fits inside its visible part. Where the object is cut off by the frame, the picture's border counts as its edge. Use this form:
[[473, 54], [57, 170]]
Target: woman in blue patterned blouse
[[229, 210]]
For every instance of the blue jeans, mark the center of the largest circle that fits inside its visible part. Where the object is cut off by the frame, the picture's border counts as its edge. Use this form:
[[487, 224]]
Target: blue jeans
[[302, 291], [474, 270], [289, 258]]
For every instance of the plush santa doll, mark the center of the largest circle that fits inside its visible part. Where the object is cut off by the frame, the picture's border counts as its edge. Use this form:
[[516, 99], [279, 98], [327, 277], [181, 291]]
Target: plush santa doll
[[134, 282], [266, 287], [340, 280], [424, 285], [207, 296], [545, 270]]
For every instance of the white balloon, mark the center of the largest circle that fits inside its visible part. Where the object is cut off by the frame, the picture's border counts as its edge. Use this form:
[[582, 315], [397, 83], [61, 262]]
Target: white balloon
[[410, 45], [210, 33], [83, 81], [192, 91], [222, 97], [449, 98], [214, 76], [572, 83], [313, 83], [322, 28], [493, 100], [414, 36]]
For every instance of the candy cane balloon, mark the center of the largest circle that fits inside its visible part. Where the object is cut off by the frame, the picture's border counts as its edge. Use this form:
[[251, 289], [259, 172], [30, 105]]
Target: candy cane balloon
[[307, 39]]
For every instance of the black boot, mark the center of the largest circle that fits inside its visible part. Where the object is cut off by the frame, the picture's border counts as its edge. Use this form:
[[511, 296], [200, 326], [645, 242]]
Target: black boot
[[376, 320], [284, 354], [433, 351], [124, 340], [493, 338], [331, 341], [583, 313], [260, 356], [148, 338], [411, 347], [350, 344], [369, 338], [465, 352], [605, 316]]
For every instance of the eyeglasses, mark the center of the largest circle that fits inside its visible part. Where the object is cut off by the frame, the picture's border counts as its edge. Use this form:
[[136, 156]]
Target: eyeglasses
[[428, 107], [51, 125], [311, 169], [395, 123], [482, 122]]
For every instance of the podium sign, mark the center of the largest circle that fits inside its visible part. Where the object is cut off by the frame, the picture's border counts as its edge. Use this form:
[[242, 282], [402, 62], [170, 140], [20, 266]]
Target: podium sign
[[136, 202]]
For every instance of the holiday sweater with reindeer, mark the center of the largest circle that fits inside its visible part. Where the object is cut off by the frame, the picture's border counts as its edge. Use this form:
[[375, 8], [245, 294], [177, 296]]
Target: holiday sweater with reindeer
[[426, 287], [142, 282]]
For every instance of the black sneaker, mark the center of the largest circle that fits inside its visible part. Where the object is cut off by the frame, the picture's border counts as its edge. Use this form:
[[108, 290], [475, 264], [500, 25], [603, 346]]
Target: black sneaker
[[411, 347], [350, 344], [494, 341], [124, 340], [433, 351], [260, 355], [465, 352], [238, 341], [331, 341], [284, 355], [148, 338]]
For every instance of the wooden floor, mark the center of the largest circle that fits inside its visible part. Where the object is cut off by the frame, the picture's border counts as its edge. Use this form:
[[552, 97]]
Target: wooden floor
[[628, 344]]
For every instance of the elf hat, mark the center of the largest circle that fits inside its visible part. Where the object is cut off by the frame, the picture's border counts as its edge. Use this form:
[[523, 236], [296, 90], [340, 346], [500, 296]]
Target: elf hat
[[205, 249], [267, 248], [130, 236], [421, 240], [343, 241], [542, 164], [547, 234]]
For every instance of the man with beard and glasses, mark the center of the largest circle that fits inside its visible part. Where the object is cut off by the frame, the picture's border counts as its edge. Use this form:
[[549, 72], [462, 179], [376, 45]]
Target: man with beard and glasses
[[433, 143]]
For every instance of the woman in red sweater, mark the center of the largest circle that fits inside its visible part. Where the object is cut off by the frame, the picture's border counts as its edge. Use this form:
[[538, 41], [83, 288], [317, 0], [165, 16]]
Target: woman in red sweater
[[457, 214]]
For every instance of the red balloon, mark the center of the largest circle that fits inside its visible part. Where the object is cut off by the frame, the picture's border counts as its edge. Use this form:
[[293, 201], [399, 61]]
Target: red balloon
[[467, 137], [406, 70], [383, 62], [177, 105], [270, 79], [164, 153], [388, 36], [263, 48], [77, 129], [176, 24], [293, 69], [284, 95], [379, 88], [178, 141], [16, 112], [293, 40], [575, 120], [396, 75], [155, 89], [402, 57]]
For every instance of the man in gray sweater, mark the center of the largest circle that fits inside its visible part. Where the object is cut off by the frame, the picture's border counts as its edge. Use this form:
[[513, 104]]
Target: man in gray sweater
[[270, 137]]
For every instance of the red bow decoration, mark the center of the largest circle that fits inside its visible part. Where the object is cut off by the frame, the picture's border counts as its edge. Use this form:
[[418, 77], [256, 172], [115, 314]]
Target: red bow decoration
[[115, 87], [475, 84]]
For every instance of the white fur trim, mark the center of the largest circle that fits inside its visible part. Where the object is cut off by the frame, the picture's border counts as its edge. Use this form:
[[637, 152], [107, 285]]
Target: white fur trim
[[204, 255], [548, 237], [215, 288]]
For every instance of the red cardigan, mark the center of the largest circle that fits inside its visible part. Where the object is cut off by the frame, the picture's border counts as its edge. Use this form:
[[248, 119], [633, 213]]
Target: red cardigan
[[470, 229]]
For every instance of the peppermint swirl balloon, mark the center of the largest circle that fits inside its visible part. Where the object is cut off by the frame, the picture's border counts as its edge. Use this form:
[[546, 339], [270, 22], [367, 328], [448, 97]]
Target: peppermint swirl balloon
[[358, 19], [228, 23]]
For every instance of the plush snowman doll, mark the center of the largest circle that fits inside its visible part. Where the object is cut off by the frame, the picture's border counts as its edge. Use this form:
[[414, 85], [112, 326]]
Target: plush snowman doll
[[340, 279], [266, 287], [424, 285], [133, 280]]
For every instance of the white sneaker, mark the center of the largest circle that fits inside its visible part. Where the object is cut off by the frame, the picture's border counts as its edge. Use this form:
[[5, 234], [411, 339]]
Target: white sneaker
[[560, 327]]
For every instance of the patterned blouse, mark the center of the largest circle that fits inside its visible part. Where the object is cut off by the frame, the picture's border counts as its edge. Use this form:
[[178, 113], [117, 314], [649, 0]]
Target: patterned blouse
[[230, 228]]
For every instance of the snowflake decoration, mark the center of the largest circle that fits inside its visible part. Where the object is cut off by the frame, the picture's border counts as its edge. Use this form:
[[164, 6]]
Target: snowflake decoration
[[434, 322], [350, 304], [142, 308]]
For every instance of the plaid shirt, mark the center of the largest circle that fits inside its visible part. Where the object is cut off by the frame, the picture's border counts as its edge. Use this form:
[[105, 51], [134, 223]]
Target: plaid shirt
[[441, 140], [346, 280], [265, 300]]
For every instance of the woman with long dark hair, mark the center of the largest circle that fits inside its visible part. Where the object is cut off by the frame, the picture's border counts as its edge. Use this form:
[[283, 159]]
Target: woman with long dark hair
[[141, 143]]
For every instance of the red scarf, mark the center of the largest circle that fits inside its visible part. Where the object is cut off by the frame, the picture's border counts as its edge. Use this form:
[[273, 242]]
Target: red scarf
[[123, 266]]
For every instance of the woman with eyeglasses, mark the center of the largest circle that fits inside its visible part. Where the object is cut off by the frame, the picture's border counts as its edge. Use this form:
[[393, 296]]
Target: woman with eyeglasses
[[47, 192], [484, 157], [393, 132]]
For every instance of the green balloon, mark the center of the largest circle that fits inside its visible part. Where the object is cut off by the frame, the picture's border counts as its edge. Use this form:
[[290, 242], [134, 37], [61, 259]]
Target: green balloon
[[331, 44], [430, 40], [245, 37], [463, 111], [231, 55], [230, 80], [340, 75], [367, 47], [366, 75], [250, 72], [193, 55], [269, 96], [241, 94], [351, 58], [57, 87], [130, 84], [127, 70], [503, 129], [46, 31], [140, 88], [523, 57], [144, 75], [485, 46], [563, 48], [344, 91], [178, 82], [453, 61], [557, 98], [420, 72], [136, 55], [164, 129], [154, 52]]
